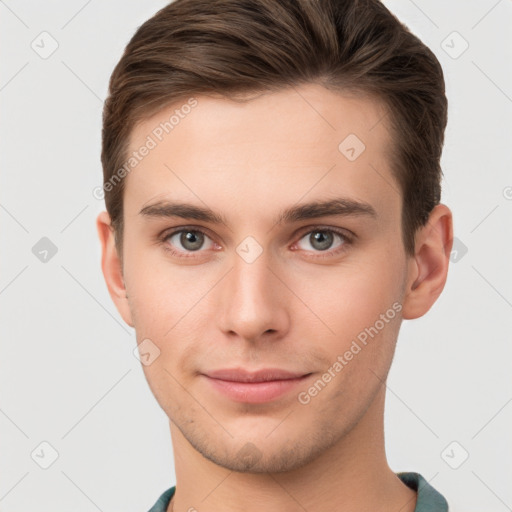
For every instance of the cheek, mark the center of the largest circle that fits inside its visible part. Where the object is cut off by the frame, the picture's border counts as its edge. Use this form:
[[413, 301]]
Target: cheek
[[347, 299], [358, 353], [172, 307], [357, 316], [159, 293]]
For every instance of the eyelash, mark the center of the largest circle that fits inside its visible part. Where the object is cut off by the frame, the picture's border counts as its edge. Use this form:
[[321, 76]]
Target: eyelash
[[346, 239]]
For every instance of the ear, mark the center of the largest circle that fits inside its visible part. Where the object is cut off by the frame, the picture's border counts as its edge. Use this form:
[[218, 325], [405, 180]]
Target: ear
[[112, 268], [428, 268]]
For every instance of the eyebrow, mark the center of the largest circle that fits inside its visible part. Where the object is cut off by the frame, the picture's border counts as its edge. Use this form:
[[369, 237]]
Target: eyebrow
[[336, 207]]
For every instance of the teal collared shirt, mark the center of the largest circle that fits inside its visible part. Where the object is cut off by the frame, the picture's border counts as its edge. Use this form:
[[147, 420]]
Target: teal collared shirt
[[429, 500]]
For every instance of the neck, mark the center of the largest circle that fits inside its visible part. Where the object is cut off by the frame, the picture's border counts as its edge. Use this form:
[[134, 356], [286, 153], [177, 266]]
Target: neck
[[352, 474]]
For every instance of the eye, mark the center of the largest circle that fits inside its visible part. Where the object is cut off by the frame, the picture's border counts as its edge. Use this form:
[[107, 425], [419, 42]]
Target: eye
[[187, 240], [325, 242], [321, 240]]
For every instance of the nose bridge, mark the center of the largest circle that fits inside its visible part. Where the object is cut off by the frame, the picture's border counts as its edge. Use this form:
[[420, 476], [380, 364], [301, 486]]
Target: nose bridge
[[250, 283], [252, 301], [251, 278]]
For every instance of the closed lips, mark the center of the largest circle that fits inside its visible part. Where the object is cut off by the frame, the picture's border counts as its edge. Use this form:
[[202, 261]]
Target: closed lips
[[264, 375]]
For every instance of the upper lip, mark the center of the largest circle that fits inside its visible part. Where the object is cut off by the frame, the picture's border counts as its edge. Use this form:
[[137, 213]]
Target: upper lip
[[263, 375]]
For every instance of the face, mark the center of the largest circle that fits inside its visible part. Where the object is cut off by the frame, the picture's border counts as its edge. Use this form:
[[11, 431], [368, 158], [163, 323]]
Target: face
[[256, 238]]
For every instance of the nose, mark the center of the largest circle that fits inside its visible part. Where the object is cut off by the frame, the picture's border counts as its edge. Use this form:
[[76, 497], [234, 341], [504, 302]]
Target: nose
[[253, 301]]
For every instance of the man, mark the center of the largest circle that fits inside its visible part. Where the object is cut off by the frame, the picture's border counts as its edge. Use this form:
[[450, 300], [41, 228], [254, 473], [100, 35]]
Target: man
[[272, 182]]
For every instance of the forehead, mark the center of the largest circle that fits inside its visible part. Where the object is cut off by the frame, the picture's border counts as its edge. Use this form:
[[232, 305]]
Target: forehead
[[275, 147]]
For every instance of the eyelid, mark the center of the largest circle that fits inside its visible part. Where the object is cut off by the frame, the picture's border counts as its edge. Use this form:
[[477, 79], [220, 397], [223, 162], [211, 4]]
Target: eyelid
[[299, 233], [346, 233]]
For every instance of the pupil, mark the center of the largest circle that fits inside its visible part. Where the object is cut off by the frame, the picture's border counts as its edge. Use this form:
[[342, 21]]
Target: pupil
[[191, 240], [321, 240]]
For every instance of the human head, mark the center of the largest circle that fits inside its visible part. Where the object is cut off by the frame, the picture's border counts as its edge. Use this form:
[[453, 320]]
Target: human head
[[240, 47], [259, 135]]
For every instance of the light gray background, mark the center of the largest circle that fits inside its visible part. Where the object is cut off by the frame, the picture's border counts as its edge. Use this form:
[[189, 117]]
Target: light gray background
[[68, 374]]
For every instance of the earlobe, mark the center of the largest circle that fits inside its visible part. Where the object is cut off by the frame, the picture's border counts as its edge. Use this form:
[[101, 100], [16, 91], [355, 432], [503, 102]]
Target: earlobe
[[428, 268], [112, 268]]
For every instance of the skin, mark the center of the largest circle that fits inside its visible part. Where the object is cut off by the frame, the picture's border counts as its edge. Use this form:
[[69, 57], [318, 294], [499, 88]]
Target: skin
[[291, 308]]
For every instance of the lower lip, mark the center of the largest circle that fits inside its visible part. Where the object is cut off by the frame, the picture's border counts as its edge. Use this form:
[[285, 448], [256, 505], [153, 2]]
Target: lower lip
[[255, 392]]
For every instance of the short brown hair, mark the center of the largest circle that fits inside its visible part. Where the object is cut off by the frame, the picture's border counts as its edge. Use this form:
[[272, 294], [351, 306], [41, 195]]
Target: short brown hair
[[236, 47]]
